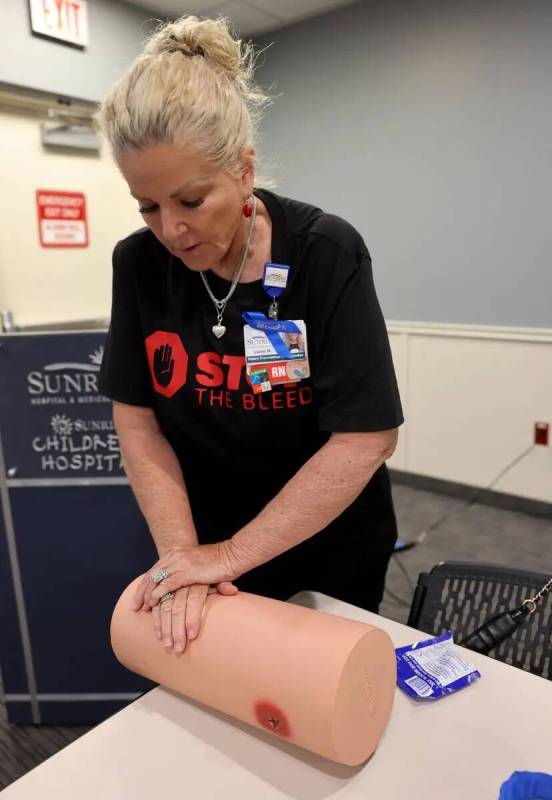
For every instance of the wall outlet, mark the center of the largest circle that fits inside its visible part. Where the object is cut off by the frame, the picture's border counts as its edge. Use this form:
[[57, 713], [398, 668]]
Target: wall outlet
[[541, 432]]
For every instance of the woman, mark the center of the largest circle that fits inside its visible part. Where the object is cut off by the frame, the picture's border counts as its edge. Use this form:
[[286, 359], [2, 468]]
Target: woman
[[246, 480]]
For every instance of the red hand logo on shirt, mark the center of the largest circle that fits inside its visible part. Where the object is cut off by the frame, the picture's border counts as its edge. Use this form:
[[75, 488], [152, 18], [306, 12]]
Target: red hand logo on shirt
[[168, 362], [163, 364]]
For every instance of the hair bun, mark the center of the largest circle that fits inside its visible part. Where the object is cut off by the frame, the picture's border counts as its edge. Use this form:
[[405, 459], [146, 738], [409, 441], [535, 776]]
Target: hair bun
[[193, 84], [179, 46], [210, 38]]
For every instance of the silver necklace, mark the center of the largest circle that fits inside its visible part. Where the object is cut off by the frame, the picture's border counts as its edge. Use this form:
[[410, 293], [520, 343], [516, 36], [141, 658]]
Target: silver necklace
[[219, 329]]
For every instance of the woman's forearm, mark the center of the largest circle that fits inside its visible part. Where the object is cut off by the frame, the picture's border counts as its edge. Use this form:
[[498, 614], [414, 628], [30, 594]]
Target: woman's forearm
[[158, 484], [321, 490]]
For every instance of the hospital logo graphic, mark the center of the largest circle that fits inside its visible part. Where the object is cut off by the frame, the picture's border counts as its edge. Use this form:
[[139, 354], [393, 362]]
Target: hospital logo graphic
[[61, 425], [96, 357], [168, 362]]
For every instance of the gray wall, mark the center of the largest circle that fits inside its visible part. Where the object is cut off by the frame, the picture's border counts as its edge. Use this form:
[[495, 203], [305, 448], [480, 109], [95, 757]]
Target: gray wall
[[116, 33], [428, 125]]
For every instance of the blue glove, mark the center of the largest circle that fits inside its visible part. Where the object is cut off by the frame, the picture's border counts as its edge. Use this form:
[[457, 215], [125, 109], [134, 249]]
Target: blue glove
[[527, 786]]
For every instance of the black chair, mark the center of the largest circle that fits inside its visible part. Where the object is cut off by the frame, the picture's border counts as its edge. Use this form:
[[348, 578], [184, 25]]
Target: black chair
[[460, 597]]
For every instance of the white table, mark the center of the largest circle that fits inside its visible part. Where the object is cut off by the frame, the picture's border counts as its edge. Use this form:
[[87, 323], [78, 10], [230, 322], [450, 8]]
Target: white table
[[461, 747]]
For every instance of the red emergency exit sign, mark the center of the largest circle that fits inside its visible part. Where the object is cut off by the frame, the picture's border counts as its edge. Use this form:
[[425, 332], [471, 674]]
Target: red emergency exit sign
[[61, 218]]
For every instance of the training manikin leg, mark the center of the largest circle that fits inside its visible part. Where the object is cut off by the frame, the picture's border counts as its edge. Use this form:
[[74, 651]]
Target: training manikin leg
[[323, 682]]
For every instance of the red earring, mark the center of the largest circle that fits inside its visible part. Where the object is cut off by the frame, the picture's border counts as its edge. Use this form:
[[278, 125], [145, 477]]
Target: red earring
[[247, 209]]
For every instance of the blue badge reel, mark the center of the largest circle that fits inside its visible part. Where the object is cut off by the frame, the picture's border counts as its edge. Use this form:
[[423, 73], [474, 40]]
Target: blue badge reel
[[275, 280]]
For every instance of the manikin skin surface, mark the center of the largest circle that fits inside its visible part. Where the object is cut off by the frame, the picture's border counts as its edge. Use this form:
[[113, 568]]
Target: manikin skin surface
[[325, 683]]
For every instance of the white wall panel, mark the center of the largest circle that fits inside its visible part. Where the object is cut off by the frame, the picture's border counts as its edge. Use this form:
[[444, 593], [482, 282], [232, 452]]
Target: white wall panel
[[471, 399]]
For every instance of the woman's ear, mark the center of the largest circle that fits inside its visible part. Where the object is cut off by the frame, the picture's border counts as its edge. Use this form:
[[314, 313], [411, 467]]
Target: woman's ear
[[248, 170]]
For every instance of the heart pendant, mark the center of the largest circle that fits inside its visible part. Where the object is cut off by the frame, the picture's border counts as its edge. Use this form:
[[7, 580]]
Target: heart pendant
[[219, 330]]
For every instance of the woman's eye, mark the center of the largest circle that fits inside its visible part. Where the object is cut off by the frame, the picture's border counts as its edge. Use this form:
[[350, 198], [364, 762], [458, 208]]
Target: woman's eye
[[186, 203]]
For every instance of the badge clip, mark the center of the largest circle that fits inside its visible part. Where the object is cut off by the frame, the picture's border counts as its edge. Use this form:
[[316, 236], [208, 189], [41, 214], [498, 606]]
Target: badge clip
[[275, 280]]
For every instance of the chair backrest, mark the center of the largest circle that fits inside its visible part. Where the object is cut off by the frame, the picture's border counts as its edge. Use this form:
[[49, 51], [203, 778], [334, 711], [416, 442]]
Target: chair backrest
[[460, 597]]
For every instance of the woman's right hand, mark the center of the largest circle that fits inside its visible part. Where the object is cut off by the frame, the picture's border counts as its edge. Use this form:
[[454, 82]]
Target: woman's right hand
[[177, 621]]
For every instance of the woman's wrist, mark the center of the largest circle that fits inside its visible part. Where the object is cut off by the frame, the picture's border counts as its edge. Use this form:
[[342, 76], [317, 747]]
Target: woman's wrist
[[173, 541], [236, 557]]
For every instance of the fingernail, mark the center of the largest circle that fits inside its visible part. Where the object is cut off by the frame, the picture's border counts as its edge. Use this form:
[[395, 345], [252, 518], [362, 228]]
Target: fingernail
[[178, 648], [167, 643], [192, 634]]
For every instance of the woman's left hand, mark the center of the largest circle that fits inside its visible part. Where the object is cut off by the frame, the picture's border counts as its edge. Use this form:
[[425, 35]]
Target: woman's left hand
[[187, 565]]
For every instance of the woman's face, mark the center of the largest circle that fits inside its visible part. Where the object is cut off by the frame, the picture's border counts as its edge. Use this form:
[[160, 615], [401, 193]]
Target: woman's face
[[192, 207]]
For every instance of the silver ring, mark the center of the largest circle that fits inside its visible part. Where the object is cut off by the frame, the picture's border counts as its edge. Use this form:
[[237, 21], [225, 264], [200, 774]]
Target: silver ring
[[168, 596], [159, 575]]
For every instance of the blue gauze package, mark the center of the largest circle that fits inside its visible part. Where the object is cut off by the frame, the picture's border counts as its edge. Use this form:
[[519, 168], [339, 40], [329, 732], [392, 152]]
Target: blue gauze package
[[433, 668]]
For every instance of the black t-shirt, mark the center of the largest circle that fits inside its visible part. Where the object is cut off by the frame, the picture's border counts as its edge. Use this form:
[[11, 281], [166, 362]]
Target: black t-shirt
[[237, 448]]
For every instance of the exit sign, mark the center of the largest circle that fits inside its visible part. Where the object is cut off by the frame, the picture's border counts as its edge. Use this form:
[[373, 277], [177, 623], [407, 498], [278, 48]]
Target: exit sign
[[65, 20], [61, 218]]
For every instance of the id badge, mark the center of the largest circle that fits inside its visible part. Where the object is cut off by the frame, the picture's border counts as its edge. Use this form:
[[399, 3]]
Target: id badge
[[275, 351]]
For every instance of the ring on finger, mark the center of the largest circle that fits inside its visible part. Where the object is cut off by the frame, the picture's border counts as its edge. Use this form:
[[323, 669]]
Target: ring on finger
[[159, 575], [167, 596]]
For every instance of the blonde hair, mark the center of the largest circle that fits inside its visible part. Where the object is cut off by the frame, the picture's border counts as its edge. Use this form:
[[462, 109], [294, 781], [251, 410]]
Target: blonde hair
[[192, 84]]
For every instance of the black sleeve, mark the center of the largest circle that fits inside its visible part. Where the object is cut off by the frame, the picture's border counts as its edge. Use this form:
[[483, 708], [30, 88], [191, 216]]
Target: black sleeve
[[124, 374], [353, 374]]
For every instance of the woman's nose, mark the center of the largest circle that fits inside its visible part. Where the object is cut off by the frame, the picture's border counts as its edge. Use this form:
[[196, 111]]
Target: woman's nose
[[173, 224]]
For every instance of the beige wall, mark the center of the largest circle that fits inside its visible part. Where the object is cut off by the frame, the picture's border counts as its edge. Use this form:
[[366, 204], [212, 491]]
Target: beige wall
[[471, 396], [50, 285]]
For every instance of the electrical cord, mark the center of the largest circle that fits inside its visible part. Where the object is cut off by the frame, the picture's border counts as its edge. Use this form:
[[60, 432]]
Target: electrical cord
[[444, 517], [477, 495]]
